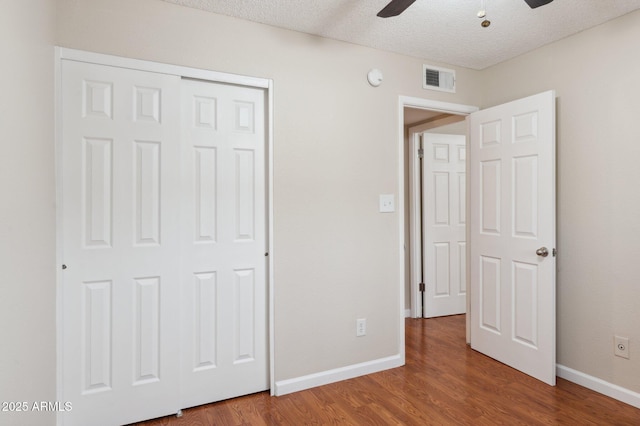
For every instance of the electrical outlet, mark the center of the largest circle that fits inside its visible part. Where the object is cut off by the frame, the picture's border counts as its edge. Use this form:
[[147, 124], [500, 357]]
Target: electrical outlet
[[361, 327], [621, 346], [387, 204]]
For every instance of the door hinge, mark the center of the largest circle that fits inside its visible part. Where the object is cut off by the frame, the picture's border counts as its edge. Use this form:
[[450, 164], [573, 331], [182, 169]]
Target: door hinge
[[420, 153], [421, 287]]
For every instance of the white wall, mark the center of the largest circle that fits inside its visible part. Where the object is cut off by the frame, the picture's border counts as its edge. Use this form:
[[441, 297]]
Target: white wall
[[595, 74], [27, 212], [459, 128], [336, 149]]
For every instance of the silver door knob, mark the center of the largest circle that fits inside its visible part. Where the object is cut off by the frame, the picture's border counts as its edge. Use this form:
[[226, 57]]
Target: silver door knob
[[542, 251]]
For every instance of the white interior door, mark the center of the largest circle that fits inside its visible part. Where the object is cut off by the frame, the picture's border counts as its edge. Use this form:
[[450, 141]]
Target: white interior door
[[513, 290], [224, 327], [444, 217], [121, 243]]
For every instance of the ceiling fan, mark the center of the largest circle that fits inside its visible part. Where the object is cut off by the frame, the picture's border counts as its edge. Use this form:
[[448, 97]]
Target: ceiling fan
[[396, 7]]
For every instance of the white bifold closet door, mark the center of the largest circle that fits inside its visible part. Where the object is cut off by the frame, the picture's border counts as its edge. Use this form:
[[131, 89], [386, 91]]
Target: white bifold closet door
[[163, 243]]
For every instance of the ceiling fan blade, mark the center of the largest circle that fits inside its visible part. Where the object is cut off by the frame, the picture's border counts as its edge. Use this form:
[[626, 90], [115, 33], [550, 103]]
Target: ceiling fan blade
[[395, 8], [537, 3]]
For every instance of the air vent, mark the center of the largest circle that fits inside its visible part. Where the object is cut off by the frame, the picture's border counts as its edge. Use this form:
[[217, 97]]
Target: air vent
[[436, 78]]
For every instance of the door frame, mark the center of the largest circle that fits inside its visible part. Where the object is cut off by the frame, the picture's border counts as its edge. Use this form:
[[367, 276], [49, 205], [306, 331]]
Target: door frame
[[61, 54], [407, 140]]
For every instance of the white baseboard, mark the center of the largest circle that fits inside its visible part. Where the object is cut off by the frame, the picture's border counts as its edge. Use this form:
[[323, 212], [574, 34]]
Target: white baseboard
[[609, 389], [407, 313], [284, 387]]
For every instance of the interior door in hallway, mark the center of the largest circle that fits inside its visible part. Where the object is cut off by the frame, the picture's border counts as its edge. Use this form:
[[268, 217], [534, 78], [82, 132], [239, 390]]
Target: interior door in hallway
[[444, 218], [512, 238], [224, 308]]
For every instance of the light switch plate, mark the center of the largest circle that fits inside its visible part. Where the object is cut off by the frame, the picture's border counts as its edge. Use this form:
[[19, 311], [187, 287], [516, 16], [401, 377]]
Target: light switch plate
[[387, 203]]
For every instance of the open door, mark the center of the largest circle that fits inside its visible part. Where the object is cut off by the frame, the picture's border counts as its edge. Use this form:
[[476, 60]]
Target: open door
[[513, 234]]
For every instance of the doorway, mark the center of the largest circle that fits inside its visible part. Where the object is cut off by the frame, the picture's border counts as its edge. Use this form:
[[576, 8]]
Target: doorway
[[418, 116]]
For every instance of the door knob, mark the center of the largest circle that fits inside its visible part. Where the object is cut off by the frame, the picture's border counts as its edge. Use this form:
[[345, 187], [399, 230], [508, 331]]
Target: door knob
[[542, 251]]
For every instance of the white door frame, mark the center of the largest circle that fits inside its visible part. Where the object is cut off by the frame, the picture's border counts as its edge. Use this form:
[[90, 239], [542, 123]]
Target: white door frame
[[109, 60], [414, 250]]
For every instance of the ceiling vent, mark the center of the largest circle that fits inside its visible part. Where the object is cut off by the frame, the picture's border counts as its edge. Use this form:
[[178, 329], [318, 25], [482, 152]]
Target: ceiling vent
[[436, 78]]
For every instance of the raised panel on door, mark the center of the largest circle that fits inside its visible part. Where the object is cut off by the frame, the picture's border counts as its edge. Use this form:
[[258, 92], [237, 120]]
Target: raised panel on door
[[146, 335], [444, 221], [147, 196], [512, 216], [525, 196], [441, 269], [244, 325], [524, 282], [120, 244], [205, 190], [205, 321], [97, 192], [224, 333], [489, 293], [96, 369], [490, 196]]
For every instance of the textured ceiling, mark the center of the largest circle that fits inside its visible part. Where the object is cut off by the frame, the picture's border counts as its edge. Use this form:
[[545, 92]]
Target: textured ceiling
[[445, 31]]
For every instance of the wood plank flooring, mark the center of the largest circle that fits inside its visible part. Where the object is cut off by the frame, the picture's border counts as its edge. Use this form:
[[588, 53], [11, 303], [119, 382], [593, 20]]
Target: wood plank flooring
[[444, 382]]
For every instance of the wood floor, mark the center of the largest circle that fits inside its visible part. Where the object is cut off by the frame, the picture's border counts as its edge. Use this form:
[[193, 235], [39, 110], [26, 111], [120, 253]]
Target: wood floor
[[443, 383]]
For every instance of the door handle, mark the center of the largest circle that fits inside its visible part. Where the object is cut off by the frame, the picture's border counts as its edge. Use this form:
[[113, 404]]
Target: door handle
[[542, 251]]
